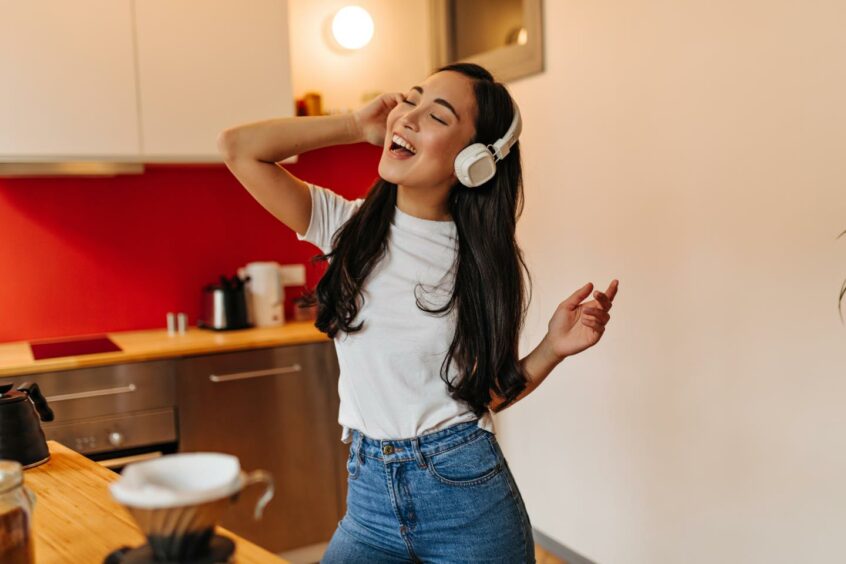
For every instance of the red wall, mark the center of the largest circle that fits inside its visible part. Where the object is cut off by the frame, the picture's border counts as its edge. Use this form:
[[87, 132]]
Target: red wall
[[90, 255]]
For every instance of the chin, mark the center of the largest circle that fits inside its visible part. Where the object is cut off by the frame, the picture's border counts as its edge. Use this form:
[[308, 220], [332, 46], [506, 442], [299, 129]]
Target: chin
[[388, 172]]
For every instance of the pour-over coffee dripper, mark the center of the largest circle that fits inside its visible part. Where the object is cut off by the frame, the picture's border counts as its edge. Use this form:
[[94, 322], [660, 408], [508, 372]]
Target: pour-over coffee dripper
[[178, 499]]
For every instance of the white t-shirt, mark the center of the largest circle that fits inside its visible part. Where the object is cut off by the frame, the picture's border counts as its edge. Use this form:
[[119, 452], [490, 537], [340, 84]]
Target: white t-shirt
[[390, 385]]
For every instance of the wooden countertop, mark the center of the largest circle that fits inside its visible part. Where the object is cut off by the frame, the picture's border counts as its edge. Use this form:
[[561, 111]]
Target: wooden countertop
[[77, 520], [16, 357]]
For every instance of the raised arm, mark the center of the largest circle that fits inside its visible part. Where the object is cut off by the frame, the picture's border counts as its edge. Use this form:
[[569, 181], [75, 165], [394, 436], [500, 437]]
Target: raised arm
[[252, 151]]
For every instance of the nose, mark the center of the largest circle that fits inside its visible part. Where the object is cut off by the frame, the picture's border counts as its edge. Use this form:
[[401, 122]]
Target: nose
[[410, 119], [409, 123]]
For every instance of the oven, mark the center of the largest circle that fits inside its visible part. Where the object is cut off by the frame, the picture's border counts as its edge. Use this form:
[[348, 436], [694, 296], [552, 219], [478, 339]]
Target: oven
[[113, 414]]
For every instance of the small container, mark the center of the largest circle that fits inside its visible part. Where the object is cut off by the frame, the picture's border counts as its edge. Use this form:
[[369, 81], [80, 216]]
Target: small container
[[171, 324], [313, 104], [181, 323], [16, 505]]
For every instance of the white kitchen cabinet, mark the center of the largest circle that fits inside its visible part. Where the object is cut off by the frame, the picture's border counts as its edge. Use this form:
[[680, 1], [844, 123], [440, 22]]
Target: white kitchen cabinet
[[204, 65], [137, 81], [67, 81]]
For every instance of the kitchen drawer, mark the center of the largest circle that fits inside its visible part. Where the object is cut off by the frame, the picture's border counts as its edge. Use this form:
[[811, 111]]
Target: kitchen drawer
[[106, 390], [275, 409], [116, 432], [254, 364]]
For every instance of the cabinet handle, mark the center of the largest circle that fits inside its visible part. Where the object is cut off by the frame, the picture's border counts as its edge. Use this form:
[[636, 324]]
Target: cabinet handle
[[124, 460], [254, 374], [92, 393]]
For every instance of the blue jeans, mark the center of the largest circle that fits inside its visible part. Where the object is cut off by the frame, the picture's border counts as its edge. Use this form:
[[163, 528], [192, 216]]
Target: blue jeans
[[446, 496]]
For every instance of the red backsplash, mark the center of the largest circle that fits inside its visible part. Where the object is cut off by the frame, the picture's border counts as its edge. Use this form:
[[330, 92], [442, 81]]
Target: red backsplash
[[91, 255]]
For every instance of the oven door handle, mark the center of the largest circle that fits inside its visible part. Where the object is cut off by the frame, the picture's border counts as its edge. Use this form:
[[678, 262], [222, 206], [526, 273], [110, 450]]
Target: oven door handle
[[92, 393], [254, 373], [124, 460]]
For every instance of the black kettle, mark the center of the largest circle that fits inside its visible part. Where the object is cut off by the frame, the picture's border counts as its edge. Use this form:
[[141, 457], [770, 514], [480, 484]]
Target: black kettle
[[225, 305], [21, 413]]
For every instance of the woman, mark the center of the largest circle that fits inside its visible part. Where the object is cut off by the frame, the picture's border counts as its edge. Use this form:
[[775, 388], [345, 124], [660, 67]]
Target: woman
[[425, 300]]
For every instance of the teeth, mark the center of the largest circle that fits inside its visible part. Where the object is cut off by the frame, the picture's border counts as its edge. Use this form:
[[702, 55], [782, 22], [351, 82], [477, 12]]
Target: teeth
[[403, 143]]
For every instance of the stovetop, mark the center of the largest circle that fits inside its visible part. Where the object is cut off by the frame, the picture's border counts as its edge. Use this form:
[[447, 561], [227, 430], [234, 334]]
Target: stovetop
[[72, 347]]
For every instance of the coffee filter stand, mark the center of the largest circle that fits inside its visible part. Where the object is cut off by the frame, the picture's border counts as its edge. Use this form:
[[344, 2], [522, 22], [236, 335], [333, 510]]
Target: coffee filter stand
[[221, 549]]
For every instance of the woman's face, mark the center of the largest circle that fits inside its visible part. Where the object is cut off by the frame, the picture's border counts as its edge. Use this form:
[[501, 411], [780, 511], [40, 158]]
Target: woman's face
[[438, 119]]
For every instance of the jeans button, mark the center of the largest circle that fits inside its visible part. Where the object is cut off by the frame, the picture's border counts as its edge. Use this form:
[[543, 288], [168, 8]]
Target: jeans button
[[387, 449]]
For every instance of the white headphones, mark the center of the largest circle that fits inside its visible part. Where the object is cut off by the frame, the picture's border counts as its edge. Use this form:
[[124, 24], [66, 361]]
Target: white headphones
[[476, 163]]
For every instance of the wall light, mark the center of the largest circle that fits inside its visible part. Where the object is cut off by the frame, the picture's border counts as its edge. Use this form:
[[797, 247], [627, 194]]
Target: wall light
[[352, 27]]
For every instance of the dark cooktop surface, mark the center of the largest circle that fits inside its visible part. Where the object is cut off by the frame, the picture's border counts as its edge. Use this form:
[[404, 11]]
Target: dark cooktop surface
[[72, 347]]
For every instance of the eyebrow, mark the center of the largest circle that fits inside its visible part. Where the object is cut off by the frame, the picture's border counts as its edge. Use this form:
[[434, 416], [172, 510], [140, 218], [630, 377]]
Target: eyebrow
[[440, 101]]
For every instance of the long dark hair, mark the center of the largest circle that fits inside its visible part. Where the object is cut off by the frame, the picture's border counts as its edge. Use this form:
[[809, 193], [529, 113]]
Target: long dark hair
[[489, 295]]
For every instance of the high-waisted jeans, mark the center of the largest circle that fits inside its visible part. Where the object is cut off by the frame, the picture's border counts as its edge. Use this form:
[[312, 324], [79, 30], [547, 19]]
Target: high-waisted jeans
[[441, 497]]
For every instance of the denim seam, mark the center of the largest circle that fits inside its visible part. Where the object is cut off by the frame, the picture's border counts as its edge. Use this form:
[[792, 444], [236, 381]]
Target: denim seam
[[356, 462], [395, 507], [472, 438], [523, 523], [362, 540], [519, 504]]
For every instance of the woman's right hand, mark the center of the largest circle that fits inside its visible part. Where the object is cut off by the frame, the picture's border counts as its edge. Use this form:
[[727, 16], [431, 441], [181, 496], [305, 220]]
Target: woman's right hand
[[372, 118]]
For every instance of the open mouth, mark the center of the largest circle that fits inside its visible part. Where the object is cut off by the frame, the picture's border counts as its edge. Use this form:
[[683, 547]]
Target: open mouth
[[401, 148]]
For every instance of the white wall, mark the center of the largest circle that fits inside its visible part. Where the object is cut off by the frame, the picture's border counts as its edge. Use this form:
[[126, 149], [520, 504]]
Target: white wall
[[695, 151], [396, 58]]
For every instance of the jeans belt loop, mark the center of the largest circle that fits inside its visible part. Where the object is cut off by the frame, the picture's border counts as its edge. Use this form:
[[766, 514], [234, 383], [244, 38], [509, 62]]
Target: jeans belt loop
[[415, 442], [359, 438]]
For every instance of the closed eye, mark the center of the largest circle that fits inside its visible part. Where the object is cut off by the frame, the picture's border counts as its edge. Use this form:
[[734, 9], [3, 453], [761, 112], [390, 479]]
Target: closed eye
[[436, 118]]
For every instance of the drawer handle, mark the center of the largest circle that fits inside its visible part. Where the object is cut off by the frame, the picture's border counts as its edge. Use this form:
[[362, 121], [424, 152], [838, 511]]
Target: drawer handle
[[254, 374], [124, 460], [92, 393]]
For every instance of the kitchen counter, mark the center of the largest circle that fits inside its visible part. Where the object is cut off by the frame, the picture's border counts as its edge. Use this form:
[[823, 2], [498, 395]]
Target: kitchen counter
[[16, 357], [77, 520]]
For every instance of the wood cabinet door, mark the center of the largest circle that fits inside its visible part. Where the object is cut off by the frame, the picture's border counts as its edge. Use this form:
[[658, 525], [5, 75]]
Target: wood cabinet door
[[275, 409], [205, 65], [67, 81]]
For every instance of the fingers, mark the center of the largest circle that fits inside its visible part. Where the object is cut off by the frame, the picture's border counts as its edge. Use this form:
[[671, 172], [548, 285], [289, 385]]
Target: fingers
[[603, 300], [576, 297], [597, 314], [612, 289], [593, 324], [606, 299]]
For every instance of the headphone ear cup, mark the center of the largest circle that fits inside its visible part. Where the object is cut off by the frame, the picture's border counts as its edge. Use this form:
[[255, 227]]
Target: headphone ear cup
[[474, 165]]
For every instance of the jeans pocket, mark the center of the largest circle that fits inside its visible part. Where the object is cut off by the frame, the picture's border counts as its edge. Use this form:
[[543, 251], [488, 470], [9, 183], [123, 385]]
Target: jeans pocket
[[467, 464]]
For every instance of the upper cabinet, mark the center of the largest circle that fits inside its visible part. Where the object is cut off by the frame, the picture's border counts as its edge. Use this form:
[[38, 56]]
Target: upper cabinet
[[205, 65], [67, 81], [137, 81]]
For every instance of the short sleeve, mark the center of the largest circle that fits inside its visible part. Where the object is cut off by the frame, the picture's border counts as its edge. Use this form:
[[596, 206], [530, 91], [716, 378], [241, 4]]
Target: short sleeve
[[329, 212]]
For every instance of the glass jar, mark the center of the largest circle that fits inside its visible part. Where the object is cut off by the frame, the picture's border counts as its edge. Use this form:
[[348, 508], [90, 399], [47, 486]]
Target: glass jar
[[16, 504]]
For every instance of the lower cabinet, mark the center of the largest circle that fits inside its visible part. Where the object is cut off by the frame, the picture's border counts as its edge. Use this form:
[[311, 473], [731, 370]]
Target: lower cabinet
[[275, 409]]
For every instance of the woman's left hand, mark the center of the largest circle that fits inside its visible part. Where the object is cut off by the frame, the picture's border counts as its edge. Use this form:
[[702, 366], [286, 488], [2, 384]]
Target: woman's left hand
[[576, 326]]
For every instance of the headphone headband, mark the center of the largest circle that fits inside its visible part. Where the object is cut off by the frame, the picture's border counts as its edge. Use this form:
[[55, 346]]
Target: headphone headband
[[476, 163], [503, 146]]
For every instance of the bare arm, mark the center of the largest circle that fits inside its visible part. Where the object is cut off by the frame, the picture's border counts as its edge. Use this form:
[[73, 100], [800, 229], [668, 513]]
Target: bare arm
[[537, 365], [252, 150]]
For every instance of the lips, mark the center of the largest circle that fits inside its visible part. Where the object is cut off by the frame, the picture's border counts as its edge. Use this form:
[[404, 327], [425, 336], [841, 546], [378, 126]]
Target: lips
[[398, 151], [400, 154]]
